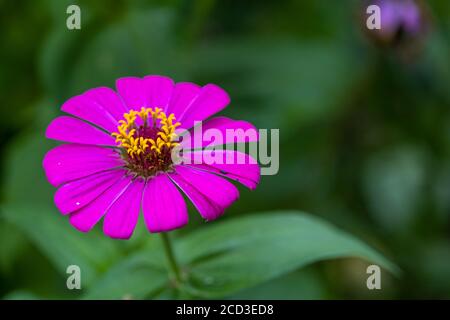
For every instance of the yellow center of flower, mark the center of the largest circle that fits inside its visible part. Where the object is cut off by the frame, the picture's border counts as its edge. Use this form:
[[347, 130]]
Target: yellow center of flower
[[147, 137]]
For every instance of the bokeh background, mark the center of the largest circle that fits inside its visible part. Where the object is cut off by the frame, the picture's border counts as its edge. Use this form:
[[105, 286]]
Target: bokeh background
[[364, 123]]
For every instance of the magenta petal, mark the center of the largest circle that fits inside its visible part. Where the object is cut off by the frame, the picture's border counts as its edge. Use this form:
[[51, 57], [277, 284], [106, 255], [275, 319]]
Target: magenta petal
[[86, 218], [151, 91], [73, 161], [121, 218], [210, 100], [130, 89], [163, 205], [231, 164], [79, 193], [183, 95], [100, 106], [232, 131], [109, 100], [210, 194], [73, 130], [159, 91]]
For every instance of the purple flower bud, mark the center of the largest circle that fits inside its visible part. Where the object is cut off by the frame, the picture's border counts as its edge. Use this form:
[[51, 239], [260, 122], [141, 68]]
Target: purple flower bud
[[402, 21]]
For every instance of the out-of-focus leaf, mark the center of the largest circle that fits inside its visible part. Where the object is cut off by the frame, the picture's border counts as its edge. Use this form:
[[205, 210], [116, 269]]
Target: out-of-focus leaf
[[298, 285], [12, 243], [21, 295], [29, 206], [441, 192], [228, 257], [63, 47], [140, 44], [136, 277], [434, 264], [393, 182], [436, 54], [61, 243], [303, 79], [24, 176], [57, 59]]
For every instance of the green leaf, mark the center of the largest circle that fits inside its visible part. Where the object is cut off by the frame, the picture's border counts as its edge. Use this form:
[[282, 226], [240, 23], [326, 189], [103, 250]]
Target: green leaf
[[137, 277], [61, 243], [302, 284], [228, 257]]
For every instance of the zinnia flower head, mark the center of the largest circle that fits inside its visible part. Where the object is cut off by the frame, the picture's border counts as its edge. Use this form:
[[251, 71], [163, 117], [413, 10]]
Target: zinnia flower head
[[118, 159]]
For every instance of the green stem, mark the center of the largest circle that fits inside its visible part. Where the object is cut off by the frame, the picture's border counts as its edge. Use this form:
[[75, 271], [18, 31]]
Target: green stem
[[170, 256]]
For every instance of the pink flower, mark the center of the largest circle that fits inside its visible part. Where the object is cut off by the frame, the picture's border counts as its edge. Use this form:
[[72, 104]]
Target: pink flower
[[118, 156]]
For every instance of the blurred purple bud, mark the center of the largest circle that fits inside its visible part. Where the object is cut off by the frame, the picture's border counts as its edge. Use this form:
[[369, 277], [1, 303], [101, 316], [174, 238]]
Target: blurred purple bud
[[402, 21]]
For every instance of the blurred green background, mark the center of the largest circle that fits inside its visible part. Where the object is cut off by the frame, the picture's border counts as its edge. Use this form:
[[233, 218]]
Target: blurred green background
[[364, 128]]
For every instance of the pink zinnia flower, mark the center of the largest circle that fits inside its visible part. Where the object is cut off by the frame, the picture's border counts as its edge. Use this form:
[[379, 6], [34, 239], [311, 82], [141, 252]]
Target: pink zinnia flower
[[118, 157]]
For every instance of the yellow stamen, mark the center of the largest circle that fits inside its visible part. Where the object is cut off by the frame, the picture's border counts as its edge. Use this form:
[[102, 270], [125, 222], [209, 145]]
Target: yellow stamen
[[136, 146]]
